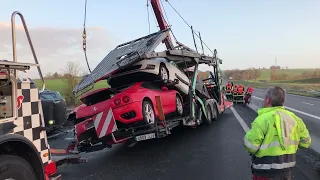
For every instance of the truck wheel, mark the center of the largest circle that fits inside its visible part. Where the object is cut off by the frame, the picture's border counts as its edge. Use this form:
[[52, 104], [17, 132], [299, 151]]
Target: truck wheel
[[148, 112], [215, 113], [208, 120], [14, 167], [179, 106]]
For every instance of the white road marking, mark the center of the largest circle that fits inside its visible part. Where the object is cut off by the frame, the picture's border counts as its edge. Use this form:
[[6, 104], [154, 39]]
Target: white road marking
[[307, 103], [58, 134], [241, 121], [301, 112]]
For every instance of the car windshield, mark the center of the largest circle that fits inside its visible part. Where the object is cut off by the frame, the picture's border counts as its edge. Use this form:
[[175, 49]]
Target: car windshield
[[50, 96], [98, 97]]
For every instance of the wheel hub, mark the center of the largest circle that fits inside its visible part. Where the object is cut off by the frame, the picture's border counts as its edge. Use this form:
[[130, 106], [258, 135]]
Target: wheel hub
[[149, 114], [164, 74]]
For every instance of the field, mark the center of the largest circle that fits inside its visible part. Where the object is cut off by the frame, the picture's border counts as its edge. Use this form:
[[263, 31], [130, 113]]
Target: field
[[299, 85], [266, 73], [59, 84]]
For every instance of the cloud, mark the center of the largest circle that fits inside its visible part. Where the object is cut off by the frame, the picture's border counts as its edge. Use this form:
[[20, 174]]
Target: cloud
[[55, 46]]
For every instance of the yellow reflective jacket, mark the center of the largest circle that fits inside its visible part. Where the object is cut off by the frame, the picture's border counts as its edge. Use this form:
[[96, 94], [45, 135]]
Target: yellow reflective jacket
[[274, 138]]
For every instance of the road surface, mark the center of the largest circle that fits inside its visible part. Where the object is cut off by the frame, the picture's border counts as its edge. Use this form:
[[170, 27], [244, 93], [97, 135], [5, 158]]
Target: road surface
[[306, 108], [205, 153]]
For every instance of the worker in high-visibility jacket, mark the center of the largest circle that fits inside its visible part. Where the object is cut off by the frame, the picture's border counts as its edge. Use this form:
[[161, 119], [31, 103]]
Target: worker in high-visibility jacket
[[274, 138]]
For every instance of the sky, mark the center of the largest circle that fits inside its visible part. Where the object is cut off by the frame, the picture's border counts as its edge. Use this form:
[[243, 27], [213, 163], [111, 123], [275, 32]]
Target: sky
[[246, 33]]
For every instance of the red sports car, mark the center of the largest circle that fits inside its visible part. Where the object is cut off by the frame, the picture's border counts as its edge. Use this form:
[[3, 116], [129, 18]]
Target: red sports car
[[131, 105]]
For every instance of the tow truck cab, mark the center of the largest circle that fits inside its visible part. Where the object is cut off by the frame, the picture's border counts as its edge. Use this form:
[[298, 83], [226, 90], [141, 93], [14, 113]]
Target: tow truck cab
[[24, 149]]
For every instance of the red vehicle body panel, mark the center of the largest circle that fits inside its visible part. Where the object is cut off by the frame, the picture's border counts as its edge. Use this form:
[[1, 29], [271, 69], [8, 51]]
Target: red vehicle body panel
[[136, 95]]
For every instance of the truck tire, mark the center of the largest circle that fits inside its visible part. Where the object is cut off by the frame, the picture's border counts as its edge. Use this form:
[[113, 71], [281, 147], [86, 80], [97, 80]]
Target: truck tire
[[15, 167], [209, 118], [215, 114]]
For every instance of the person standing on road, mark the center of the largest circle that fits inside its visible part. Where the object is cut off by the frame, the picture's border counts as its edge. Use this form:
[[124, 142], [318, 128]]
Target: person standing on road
[[274, 138]]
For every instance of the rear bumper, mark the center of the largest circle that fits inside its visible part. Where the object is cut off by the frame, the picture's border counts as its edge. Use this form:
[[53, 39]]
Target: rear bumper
[[134, 108]]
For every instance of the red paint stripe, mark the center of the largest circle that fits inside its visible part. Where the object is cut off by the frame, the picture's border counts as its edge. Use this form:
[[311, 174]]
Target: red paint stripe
[[110, 127], [101, 123], [98, 128]]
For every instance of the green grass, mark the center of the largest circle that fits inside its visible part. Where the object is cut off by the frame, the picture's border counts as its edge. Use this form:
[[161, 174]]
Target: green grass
[[303, 81], [266, 73], [60, 84]]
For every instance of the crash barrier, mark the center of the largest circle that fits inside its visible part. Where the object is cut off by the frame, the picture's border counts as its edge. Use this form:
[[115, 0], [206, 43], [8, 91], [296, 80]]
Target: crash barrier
[[290, 89]]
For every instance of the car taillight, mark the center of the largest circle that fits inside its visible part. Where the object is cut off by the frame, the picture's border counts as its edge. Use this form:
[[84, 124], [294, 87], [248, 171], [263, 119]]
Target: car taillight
[[125, 99], [117, 102]]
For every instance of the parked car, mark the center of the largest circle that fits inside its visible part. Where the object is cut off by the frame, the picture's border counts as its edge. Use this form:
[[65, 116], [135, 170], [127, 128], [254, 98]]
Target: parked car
[[54, 109], [151, 70]]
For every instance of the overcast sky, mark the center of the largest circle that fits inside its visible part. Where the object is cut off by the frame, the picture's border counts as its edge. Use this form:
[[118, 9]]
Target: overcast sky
[[246, 33]]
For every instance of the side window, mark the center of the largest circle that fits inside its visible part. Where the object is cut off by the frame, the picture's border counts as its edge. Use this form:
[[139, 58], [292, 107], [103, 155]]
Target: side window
[[6, 103], [151, 86]]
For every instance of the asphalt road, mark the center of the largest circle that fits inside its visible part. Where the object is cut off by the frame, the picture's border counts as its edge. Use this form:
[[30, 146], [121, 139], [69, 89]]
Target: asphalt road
[[306, 108], [205, 153]]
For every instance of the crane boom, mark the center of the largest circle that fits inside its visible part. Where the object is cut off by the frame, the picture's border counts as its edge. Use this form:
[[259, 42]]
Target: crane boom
[[161, 22]]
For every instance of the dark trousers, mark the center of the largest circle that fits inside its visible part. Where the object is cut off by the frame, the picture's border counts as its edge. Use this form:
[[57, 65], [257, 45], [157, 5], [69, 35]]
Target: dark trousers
[[282, 176]]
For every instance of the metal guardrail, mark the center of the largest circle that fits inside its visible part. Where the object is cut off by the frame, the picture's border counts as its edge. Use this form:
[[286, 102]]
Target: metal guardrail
[[288, 89]]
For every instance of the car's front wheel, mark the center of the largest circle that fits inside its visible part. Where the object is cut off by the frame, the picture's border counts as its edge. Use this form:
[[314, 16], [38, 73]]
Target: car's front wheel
[[148, 112]]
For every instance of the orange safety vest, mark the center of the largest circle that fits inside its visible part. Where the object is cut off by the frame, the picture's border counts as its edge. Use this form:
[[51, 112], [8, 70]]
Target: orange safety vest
[[240, 89], [235, 89]]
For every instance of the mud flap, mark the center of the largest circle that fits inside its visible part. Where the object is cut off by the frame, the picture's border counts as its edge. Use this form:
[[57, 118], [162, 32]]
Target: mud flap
[[105, 123]]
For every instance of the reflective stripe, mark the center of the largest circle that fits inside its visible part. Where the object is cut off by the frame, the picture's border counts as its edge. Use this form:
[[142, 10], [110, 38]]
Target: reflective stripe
[[274, 166], [249, 145], [266, 146], [274, 162], [277, 144], [305, 140]]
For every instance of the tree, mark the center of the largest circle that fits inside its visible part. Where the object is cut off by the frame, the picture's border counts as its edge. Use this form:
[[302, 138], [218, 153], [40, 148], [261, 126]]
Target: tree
[[48, 75], [71, 79], [56, 75]]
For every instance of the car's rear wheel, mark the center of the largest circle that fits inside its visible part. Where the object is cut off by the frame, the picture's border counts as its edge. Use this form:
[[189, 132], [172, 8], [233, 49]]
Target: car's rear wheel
[[163, 73], [179, 106], [148, 112]]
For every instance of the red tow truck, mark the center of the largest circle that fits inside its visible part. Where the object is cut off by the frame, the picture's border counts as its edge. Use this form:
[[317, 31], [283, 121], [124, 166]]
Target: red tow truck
[[24, 150]]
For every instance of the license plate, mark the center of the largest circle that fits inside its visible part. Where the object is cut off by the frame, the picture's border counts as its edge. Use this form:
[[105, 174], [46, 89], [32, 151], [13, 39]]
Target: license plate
[[145, 137]]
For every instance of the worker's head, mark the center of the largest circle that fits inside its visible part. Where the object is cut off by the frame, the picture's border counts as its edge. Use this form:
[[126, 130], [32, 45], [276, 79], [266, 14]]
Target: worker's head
[[275, 96]]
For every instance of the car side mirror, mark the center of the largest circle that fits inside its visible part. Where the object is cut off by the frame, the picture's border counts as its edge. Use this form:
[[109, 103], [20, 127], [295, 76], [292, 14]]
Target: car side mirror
[[164, 88]]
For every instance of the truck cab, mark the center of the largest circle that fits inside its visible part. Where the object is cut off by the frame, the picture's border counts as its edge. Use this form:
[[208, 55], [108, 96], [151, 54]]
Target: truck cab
[[24, 149]]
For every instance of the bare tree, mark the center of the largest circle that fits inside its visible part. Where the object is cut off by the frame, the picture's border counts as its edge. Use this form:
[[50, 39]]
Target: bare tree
[[71, 79], [48, 75]]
